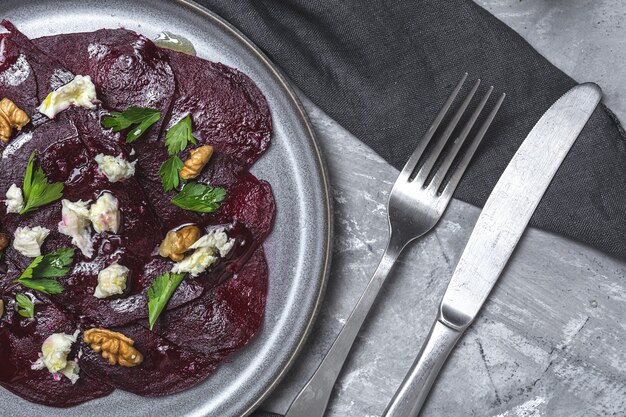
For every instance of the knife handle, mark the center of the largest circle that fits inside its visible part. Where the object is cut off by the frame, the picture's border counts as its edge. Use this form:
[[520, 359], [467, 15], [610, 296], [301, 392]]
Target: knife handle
[[410, 397]]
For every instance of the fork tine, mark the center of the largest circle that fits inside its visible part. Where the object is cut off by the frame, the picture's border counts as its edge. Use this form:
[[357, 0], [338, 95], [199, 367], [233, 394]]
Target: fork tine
[[409, 167], [439, 176], [421, 176], [446, 194]]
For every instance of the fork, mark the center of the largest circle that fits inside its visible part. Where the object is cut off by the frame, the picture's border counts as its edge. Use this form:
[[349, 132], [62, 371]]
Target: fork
[[415, 206]]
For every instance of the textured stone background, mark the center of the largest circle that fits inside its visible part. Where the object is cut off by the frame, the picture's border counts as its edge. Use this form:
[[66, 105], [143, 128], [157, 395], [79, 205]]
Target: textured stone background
[[549, 341]]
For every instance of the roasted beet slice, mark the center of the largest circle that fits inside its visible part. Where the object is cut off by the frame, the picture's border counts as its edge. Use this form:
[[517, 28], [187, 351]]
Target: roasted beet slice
[[226, 317], [229, 110], [250, 201], [20, 345], [26, 74], [79, 300], [127, 68], [167, 368]]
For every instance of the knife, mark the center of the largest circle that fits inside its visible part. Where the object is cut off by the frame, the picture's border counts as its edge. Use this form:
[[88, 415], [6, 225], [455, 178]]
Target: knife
[[496, 233]]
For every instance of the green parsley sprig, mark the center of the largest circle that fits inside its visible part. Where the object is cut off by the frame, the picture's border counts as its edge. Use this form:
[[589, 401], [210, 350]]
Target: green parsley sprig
[[170, 171], [37, 190], [26, 306], [177, 138], [160, 293], [199, 197], [37, 275], [140, 119]]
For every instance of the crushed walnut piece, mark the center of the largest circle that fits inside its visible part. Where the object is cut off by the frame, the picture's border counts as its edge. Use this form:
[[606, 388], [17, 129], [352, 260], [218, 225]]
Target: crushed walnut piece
[[198, 158], [4, 241], [115, 347], [177, 242], [11, 117]]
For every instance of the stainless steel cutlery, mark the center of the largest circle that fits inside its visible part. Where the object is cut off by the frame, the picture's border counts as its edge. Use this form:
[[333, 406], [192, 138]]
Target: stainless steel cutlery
[[417, 201], [498, 229]]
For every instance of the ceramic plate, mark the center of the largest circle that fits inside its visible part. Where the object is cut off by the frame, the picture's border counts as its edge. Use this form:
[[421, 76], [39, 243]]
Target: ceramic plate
[[299, 246]]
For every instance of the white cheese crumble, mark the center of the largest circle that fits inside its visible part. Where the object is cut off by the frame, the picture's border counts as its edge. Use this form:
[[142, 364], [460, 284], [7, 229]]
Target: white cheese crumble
[[28, 240], [75, 224], [115, 168], [54, 351], [216, 241], [208, 249], [196, 263], [15, 199], [111, 281], [104, 214], [78, 92]]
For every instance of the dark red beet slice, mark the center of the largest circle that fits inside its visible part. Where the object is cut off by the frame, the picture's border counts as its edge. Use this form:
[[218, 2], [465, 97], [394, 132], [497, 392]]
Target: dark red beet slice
[[250, 201], [166, 369], [26, 74], [20, 345], [226, 317], [229, 110], [127, 68]]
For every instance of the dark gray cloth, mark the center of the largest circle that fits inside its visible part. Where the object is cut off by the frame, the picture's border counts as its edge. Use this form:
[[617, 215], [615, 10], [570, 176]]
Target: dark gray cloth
[[383, 69]]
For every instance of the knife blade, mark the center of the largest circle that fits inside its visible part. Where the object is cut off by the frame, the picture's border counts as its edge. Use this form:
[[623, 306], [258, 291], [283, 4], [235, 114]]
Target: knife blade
[[512, 203], [498, 229]]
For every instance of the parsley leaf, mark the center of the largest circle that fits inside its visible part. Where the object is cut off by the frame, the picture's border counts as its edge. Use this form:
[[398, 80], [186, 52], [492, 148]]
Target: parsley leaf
[[27, 307], [179, 136], [56, 264], [170, 171], [137, 117], [37, 190], [159, 294], [28, 176], [45, 285], [199, 197]]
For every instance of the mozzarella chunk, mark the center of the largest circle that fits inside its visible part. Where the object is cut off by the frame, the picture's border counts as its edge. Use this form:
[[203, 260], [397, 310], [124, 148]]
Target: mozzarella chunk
[[115, 168], [216, 241], [196, 263], [104, 214], [111, 281], [28, 240], [208, 250], [75, 224], [54, 351], [78, 92], [15, 199]]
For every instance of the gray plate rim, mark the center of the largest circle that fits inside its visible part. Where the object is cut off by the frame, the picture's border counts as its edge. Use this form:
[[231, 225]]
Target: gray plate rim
[[297, 104], [327, 216]]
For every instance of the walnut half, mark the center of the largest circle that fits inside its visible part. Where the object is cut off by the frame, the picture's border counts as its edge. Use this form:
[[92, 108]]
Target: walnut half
[[198, 158], [11, 117], [177, 242], [4, 241], [115, 347]]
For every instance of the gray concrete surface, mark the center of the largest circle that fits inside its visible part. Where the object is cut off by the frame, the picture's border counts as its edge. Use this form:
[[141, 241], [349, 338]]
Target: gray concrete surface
[[550, 340]]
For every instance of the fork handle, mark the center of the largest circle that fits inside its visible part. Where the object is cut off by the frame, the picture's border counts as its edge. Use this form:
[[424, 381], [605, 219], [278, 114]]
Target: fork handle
[[410, 397], [313, 399]]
